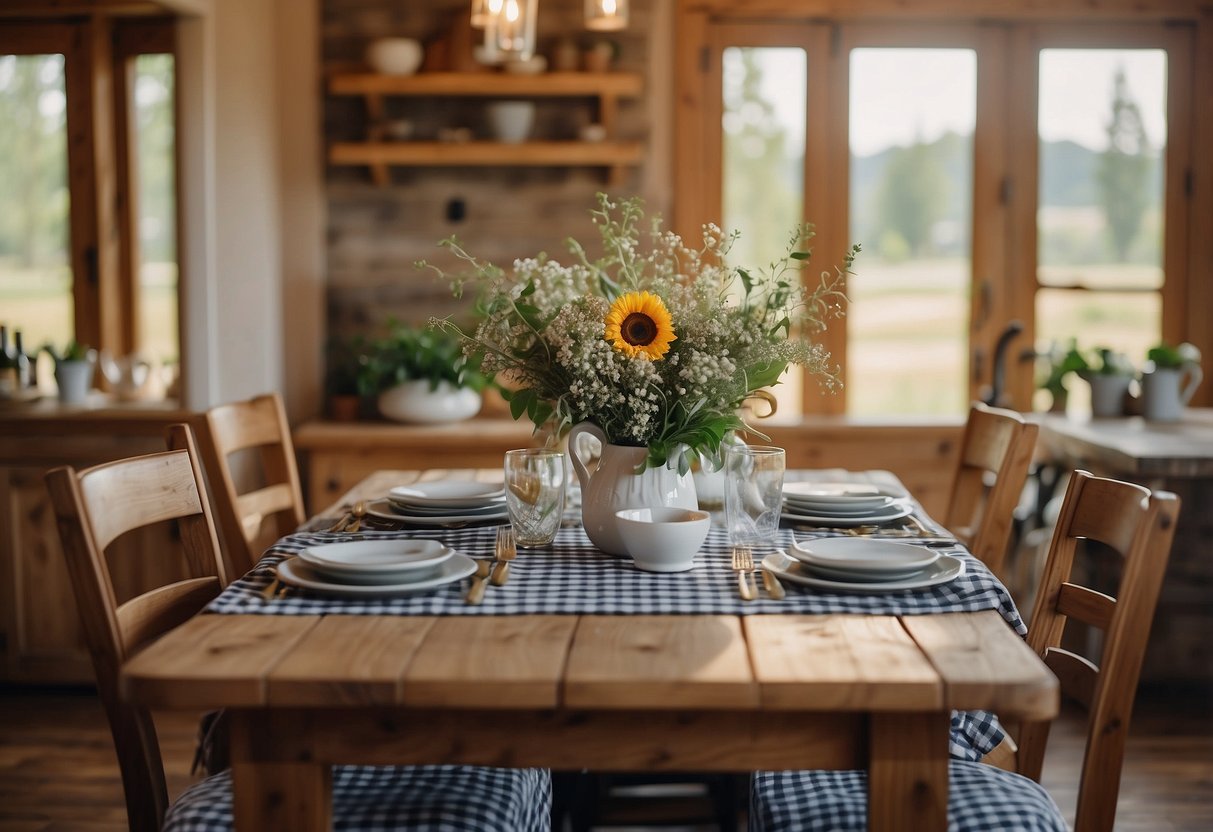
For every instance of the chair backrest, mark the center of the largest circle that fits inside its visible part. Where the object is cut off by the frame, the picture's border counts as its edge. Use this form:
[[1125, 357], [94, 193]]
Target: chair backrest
[[94, 507], [257, 424], [997, 444], [1139, 526]]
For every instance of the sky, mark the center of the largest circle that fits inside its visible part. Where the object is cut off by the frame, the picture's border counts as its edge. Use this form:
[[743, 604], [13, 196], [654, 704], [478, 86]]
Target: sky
[[898, 95]]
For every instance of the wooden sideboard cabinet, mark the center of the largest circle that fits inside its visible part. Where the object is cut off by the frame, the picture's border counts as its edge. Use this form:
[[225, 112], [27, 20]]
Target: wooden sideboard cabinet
[[338, 455], [40, 638]]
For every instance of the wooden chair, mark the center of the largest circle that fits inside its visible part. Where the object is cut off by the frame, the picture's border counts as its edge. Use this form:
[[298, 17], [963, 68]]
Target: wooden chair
[[94, 507], [1139, 527], [997, 444], [255, 517]]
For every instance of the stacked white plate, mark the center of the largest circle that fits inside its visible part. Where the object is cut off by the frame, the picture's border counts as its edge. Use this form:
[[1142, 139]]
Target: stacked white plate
[[852, 564], [442, 502], [375, 567], [843, 504]]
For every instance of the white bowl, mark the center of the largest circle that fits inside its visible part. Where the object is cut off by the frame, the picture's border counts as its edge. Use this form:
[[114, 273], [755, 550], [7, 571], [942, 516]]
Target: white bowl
[[663, 539], [511, 120], [395, 56]]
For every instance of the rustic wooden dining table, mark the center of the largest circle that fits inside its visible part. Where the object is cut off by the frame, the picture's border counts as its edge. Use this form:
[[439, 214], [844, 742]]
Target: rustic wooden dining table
[[661, 693]]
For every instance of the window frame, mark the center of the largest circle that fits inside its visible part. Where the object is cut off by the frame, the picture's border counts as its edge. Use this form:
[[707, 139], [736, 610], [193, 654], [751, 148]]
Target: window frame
[[1005, 161], [99, 54]]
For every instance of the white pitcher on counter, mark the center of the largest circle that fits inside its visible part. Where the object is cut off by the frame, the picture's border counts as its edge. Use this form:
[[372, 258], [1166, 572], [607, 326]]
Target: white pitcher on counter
[[129, 376]]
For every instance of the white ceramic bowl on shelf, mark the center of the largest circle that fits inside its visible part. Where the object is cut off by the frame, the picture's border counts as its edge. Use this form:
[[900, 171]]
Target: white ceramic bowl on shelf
[[511, 121], [395, 56]]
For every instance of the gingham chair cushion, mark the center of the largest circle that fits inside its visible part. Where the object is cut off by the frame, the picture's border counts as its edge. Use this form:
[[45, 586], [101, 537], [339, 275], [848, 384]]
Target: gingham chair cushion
[[981, 798], [413, 798]]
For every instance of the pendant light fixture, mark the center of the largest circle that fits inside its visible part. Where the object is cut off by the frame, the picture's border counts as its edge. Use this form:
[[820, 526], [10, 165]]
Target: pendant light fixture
[[509, 33], [606, 15]]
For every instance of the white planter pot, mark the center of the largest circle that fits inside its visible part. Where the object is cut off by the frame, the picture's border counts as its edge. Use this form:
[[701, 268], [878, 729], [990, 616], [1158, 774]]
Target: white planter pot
[[1107, 395], [1165, 392], [395, 56], [75, 379], [416, 402]]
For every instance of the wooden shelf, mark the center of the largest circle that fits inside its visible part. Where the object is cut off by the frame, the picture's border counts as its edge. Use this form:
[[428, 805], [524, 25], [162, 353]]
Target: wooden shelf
[[429, 154], [547, 84], [605, 87]]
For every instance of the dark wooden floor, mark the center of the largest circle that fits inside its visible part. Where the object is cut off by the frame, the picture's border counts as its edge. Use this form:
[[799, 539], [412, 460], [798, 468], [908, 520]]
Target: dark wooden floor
[[57, 769]]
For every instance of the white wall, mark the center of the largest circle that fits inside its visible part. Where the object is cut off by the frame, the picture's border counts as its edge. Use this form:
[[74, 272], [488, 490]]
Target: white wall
[[236, 158]]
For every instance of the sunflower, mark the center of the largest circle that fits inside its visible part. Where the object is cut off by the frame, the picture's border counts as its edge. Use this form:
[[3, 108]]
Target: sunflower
[[639, 326]]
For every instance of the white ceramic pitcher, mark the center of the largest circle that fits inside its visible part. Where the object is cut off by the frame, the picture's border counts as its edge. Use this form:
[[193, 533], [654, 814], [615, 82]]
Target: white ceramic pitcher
[[1163, 394], [129, 376], [614, 485]]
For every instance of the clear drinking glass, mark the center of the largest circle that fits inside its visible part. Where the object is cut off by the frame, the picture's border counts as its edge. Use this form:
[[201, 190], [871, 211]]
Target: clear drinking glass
[[753, 493], [534, 494]]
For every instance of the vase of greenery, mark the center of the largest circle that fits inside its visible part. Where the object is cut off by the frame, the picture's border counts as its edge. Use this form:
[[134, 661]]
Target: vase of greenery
[[1109, 374], [1164, 391], [423, 377]]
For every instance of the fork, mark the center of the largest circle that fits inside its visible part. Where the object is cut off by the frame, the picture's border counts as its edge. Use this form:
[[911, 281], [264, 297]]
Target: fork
[[507, 550], [743, 564]]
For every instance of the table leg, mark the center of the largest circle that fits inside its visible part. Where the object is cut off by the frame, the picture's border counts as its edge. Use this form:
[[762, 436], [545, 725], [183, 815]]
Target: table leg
[[908, 772], [269, 795]]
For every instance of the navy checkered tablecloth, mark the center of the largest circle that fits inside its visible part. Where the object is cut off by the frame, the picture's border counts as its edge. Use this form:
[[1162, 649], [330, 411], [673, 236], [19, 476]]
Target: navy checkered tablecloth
[[572, 577]]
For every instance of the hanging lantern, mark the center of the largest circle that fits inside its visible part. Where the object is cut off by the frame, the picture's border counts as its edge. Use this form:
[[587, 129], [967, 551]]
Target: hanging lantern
[[482, 10], [509, 34], [606, 15]]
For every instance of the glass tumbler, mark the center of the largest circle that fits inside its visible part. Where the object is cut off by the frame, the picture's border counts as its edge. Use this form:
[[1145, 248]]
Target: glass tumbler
[[753, 493], [534, 494]]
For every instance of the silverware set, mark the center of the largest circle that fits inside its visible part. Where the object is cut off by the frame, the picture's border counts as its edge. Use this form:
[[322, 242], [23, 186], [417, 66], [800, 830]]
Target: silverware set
[[743, 565], [352, 521], [497, 570]]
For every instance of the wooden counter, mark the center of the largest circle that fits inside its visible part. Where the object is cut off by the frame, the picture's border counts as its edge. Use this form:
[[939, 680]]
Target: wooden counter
[[39, 632]]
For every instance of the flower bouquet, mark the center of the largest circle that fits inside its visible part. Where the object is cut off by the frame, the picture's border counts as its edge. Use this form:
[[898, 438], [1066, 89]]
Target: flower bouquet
[[656, 342]]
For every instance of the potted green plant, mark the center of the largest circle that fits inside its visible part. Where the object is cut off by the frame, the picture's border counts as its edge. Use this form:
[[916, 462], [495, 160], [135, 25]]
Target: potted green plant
[[1061, 363], [1109, 374], [73, 371], [422, 376], [1163, 393]]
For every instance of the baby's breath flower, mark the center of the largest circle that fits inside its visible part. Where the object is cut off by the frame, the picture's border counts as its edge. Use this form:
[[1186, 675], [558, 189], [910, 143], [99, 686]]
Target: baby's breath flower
[[544, 327]]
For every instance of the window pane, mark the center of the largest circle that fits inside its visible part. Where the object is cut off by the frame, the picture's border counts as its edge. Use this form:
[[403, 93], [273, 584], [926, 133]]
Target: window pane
[[155, 150], [35, 269], [1102, 127], [763, 146], [911, 134]]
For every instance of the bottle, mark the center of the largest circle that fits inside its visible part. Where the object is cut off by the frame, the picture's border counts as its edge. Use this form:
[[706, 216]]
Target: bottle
[[21, 362], [8, 372]]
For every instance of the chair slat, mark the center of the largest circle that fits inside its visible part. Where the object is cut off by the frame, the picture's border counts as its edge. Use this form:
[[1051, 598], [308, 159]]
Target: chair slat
[[146, 616], [139, 492], [1076, 674], [1086, 605], [256, 505]]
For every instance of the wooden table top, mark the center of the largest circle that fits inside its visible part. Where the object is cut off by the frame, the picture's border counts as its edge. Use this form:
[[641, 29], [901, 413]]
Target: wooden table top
[[818, 663], [1132, 447]]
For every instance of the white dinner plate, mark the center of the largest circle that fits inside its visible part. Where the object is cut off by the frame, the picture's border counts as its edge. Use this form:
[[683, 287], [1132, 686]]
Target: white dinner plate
[[850, 493], [449, 493], [435, 511], [295, 572], [384, 509], [839, 509], [893, 512], [946, 569], [377, 561], [863, 555], [853, 576]]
